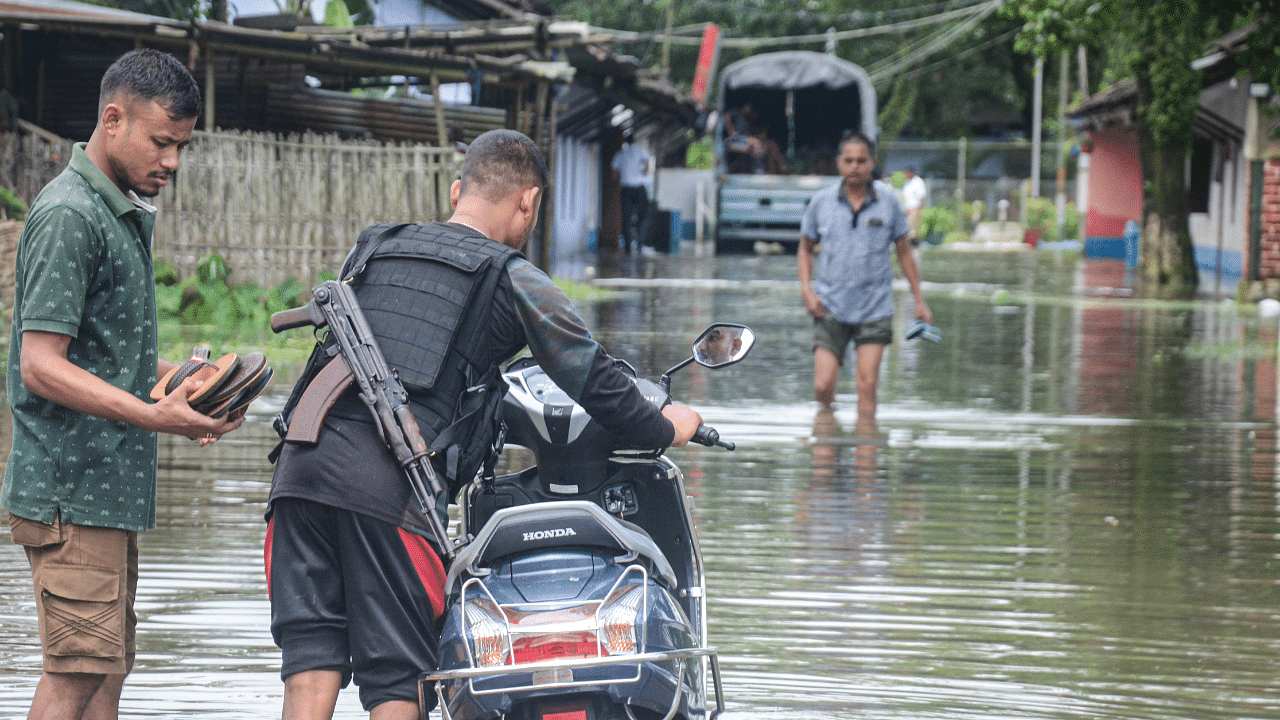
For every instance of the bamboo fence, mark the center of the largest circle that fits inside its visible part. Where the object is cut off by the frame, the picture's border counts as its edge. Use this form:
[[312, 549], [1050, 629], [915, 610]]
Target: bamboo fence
[[273, 207], [29, 158], [276, 207]]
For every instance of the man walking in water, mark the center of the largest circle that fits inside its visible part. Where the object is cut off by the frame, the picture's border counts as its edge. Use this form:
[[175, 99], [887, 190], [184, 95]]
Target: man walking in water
[[850, 296]]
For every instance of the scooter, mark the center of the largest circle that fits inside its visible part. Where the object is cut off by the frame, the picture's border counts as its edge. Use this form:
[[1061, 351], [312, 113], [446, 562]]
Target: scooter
[[581, 594]]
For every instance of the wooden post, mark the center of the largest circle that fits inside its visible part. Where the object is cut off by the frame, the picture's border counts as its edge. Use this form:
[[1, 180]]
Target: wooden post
[[1060, 188], [41, 80], [548, 223], [1037, 101], [242, 92], [210, 81], [540, 108], [10, 54], [442, 131], [522, 121]]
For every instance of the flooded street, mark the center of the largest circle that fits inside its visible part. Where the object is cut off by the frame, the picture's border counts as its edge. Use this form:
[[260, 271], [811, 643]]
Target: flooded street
[[1070, 508]]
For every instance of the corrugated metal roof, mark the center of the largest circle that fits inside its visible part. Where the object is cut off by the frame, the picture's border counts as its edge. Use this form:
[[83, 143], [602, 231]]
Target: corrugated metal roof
[[513, 51]]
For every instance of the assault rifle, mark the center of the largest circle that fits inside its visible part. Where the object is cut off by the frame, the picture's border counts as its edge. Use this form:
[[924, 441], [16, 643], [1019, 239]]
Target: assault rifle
[[334, 304]]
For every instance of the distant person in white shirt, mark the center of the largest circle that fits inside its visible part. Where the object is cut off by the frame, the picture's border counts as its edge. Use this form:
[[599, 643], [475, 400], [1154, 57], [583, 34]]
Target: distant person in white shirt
[[630, 168], [914, 193]]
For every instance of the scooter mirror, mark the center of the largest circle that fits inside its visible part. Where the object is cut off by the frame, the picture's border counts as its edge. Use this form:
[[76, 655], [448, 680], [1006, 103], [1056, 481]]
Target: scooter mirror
[[723, 344]]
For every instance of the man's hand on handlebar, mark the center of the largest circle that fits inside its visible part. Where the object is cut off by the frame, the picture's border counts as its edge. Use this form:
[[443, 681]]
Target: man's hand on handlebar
[[686, 421]]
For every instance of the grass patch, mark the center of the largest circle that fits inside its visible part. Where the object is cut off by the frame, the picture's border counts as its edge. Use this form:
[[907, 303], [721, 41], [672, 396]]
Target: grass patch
[[1230, 351], [579, 291]]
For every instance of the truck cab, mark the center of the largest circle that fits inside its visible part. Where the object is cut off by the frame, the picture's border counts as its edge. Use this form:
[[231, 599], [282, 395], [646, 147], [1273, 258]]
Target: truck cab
[[780, 118]]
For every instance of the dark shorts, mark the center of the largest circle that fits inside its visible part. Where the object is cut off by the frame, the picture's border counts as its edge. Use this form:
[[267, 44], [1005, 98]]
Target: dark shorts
[[353, 594], [835, 336], [85, 581]]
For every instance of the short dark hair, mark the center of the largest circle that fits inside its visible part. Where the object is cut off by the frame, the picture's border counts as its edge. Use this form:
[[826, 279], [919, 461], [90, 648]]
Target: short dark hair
[[854, 136], [502, 162], [148, 74]]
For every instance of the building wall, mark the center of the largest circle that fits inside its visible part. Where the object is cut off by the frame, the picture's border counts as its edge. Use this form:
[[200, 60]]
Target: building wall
[[1270, 216], [1115, 191], [678, 191], [1219, 237], [577, 197]]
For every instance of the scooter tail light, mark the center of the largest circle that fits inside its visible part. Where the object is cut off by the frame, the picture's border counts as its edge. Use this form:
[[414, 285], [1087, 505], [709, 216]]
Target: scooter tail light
[[488, 630], [554, 646], [618, 619]]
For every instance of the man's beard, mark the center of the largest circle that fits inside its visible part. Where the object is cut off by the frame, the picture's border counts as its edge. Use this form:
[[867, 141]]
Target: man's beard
[[147, 193]]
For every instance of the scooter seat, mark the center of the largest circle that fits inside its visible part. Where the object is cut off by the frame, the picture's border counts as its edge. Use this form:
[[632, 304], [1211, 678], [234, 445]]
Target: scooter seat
[[571, 523]]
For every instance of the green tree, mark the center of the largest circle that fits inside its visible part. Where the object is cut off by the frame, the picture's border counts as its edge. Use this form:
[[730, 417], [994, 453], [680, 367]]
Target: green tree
[[912, 104], [1161, 39]]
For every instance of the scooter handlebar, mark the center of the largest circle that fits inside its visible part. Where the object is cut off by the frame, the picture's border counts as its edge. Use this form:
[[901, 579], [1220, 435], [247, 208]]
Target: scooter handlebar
[[707, 435]]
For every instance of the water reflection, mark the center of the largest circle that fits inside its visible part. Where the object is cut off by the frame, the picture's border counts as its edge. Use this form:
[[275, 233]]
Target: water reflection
[[1068, 508]]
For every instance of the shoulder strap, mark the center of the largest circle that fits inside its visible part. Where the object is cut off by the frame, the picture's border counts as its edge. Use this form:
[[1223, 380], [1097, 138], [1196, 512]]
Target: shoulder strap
[[366, 246]]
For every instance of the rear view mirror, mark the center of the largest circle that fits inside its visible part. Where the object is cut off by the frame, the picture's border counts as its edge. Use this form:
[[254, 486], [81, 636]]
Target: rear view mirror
[[723, 344]]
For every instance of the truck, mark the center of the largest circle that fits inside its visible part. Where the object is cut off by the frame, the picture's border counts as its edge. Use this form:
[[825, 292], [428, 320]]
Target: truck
[[803, 103]]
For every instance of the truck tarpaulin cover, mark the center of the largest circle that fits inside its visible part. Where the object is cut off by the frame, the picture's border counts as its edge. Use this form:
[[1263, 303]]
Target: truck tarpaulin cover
[[792, 70]]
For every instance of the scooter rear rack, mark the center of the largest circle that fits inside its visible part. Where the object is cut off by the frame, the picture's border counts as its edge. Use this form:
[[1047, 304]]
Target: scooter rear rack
[[441, 677]]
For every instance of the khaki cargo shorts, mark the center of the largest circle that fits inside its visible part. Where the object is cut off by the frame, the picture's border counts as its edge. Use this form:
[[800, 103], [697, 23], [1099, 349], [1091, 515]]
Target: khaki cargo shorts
[[85, 582], [835, 336]]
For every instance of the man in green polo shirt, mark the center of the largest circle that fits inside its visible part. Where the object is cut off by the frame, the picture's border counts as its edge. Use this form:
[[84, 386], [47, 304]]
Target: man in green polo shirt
[[81, 479]]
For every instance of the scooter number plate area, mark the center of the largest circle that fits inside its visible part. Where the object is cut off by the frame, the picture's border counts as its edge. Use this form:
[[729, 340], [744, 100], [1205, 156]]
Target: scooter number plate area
[[567, 715], [555, 677]]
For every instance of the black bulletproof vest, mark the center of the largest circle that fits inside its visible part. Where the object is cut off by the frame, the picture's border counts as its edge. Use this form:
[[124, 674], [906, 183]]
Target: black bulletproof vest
[[427, 292]]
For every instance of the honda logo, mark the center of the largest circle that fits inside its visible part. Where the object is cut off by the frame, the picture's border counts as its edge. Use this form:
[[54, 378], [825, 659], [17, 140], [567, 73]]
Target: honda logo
[[548, 534]]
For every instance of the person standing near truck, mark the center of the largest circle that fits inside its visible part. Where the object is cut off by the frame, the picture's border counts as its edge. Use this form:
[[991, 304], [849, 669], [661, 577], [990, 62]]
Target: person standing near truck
[[630, 168], [850, 296], [914, 192]]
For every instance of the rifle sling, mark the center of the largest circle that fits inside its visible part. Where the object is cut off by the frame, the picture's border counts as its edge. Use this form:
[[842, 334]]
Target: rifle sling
[[320, 395]]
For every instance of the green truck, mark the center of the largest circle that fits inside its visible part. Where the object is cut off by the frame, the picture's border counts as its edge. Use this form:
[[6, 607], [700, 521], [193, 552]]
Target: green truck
[[780, 117]]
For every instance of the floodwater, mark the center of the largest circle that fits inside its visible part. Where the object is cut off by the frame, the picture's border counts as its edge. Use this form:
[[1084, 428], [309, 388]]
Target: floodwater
[[1070, 508]]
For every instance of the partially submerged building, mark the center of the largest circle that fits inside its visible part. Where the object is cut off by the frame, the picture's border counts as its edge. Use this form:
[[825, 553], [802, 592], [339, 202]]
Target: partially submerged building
[[1231, 171]]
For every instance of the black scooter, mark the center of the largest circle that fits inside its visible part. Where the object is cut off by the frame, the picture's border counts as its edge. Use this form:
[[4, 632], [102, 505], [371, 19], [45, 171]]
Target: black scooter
[[582, 594]]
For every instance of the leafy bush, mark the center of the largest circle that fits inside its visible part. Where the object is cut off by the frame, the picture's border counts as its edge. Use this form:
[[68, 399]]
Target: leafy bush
[[1042, 213], [898, 179], [698, 156], [208, 299], [1071, 223], [938, 219], [13, 208]]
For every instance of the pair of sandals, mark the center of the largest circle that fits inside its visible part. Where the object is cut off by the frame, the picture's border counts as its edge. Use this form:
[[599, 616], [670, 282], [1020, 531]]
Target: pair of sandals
[[227, 386]]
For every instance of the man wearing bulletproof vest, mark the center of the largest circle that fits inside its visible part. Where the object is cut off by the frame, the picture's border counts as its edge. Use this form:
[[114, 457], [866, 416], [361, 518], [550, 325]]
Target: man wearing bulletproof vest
[[356, 586]]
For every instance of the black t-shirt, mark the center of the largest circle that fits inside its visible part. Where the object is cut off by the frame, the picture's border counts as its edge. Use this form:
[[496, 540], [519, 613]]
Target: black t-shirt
[[351, 468]]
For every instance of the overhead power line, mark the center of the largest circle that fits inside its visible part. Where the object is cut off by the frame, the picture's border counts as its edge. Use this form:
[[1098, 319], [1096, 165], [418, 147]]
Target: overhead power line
[[855, 17], [940, 42], [967, 51], [984, 8]]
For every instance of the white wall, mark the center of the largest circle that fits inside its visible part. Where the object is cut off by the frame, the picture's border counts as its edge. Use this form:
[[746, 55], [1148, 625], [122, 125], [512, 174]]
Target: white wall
[[678, 190], [1224, 225], [577, 196]]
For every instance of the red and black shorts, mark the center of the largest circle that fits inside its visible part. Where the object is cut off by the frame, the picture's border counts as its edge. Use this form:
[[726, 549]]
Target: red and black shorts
[[353, 594]]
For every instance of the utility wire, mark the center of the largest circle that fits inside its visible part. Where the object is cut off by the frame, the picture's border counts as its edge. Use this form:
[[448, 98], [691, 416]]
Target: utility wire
[[857, 17], [905, 50], [983, 9], [962, 53], [942, 41]]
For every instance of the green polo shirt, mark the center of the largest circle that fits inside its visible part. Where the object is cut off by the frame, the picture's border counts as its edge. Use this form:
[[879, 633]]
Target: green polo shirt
[[84, 269]]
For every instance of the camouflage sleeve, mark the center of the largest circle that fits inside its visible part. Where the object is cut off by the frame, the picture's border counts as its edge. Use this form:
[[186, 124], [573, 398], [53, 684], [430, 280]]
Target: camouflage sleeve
[[563, 346]]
